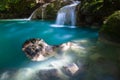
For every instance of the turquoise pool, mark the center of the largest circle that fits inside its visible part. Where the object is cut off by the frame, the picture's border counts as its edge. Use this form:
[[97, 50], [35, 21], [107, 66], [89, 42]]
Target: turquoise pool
[[13, 33]]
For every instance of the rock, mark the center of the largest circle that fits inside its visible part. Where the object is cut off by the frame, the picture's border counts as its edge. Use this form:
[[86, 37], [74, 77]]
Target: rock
[[49, 10], [111, 28], [90, 11], [70, 69], [37, 49], [49, 74], [87, 13]]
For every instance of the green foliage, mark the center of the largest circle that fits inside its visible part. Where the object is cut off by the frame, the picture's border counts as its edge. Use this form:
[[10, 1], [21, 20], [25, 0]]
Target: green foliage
[[16, 8], [96, 11], [5, 4], [50, 10], [23, 8], [90, 10], [92, 7]]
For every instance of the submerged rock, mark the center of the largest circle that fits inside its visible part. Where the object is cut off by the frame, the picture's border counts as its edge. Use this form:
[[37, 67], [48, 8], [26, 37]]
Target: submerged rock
[[49, 74], [70, 69], [67, 72]]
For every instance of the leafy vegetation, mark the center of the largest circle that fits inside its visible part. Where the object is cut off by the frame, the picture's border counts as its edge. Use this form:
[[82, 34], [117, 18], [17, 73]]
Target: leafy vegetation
[[16, 8], [95, 11]]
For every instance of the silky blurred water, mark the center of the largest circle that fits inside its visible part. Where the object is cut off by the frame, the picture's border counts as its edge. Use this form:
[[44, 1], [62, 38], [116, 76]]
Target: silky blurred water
[[13, 33]]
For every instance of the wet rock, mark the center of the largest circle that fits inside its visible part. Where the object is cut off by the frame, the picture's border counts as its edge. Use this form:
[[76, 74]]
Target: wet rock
[[37, 49], [70, 69]]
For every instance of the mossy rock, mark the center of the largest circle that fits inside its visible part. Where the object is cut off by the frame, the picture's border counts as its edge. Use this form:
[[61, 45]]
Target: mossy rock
[[92, 12], [111, 28], [88, 12]]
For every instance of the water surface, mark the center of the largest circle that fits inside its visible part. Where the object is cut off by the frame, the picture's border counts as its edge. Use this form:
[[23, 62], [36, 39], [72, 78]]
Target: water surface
[[13, 33]]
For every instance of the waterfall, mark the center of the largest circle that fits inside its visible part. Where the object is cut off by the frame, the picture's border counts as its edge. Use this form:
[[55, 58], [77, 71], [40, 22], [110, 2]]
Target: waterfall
[[66, 15], [31, 15], [39, 12]]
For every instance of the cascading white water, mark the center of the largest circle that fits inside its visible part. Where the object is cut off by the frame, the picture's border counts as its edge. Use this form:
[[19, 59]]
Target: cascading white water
[[35, 12], [29, 18], [66, 15]]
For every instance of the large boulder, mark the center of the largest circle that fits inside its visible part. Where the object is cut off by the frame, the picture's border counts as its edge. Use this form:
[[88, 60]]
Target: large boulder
[[111, 28], [38, 49]]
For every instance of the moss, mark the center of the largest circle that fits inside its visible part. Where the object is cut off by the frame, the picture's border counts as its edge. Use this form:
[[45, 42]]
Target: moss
[[92, 6], [90, 10], [96, 10], [111, 26], [50, 11]]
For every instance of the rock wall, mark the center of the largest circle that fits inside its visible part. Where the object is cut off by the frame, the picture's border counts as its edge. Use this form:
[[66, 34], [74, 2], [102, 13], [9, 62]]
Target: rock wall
[[49, 10]]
